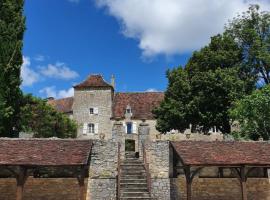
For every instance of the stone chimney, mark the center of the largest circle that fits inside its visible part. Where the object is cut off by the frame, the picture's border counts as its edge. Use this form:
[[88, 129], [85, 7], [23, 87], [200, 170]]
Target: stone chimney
[[113, 81]]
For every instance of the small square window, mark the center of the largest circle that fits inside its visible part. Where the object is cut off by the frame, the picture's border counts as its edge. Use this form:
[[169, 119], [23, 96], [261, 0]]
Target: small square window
[[91, 111], [128, 110]]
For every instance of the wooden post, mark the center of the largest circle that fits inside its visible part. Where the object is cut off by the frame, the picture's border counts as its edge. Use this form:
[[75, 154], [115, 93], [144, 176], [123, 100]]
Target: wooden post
[[188, 182], [81, 177], [243, 180], [21, 179]]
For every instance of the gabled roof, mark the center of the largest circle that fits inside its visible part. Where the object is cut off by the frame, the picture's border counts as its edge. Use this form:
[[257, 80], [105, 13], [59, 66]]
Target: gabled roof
[[94, 81], [221, 153], [62, 105], [45, 152], [141, 104]]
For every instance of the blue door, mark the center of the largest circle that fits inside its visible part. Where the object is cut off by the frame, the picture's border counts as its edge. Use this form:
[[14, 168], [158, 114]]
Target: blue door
[[129, 128]]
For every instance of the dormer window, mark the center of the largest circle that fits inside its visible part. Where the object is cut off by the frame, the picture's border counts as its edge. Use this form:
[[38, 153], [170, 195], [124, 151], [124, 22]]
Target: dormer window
[[128, 110]]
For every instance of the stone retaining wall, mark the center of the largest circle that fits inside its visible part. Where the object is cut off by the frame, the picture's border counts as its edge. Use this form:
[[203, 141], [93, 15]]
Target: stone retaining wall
[[222, 189], [41, 189], [103, 171]]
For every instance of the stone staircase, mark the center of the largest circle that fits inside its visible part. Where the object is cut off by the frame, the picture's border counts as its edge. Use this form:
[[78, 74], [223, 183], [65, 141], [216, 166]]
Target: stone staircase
[[133, 181]]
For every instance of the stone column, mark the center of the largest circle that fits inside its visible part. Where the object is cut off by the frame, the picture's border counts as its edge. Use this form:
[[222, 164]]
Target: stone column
[[118, 135], [143, 136]]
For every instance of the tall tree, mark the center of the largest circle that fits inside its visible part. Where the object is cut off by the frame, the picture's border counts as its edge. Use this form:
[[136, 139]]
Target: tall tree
[[12, 27], [173, 112], [251, 31], [202, 93]]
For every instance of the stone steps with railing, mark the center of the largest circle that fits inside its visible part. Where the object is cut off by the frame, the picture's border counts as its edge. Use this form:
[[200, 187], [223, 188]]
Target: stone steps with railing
[[133, 181]]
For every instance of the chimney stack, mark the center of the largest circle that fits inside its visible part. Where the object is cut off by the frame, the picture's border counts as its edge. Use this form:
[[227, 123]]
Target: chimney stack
[[113, 81]]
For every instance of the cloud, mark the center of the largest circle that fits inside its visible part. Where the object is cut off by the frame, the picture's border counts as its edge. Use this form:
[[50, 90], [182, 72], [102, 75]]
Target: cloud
[[151, 90], [52, 92], [172, 27], [28, 76], [39, 58], [58, 71]]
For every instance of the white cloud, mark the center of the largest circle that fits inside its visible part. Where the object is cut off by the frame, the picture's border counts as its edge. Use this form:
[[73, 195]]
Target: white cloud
[[52, 92], [58, 71], [66, 93], [39, 58], [29, 76], [174, 26], [151, 90]]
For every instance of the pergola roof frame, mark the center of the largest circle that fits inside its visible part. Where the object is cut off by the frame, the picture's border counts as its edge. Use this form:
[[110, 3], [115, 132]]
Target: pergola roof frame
[[241, 170], [22, 172]]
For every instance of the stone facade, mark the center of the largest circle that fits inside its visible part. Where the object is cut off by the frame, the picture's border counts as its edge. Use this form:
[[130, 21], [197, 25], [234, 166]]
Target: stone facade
[[100, 100]]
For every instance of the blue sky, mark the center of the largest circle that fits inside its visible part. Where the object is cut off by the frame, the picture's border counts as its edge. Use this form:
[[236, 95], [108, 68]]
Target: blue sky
[[136, 40]]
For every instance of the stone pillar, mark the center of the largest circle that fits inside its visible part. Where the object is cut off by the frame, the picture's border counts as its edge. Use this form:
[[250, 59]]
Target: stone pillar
[[143, 136], [118, 135]]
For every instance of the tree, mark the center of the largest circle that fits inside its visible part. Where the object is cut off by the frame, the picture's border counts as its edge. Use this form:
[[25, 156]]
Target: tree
[[253, 114], [12, 26], [251, 31], [173, 112], [202, 93], [39, 118], [213, 93]]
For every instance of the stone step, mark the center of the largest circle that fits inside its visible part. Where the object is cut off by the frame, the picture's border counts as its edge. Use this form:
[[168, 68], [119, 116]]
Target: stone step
[[134, 190], [133, 185], [134, 198], [133, 167], [135, 194], [132, 162], [133, 176], [133, 180], [132, 173]]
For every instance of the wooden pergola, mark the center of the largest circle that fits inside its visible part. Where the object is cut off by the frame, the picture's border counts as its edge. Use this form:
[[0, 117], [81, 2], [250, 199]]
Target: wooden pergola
[[243, 157], [21, 156]]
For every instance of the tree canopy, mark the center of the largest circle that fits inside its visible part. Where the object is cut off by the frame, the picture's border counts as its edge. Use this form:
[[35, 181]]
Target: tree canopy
[[12, 26], [39, 118], [253, 114], [228, 68], [251, 31]]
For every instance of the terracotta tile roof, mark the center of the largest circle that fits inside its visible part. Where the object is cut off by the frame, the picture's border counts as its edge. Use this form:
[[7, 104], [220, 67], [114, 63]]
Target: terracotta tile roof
[[93, 81], [62, 105], [201, 153], [141, 104], [44, 152]]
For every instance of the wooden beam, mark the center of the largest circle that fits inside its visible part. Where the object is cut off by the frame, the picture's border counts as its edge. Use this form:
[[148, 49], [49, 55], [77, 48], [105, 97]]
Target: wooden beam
[[81, 177], [243, 181], [188, 182], [21, 179]]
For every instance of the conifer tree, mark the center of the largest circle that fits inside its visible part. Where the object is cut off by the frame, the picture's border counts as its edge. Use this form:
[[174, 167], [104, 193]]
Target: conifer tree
[[12, 27]]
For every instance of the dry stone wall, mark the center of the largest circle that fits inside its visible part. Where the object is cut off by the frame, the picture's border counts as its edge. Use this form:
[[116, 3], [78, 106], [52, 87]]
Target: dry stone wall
[[222, 189], [41, 189]]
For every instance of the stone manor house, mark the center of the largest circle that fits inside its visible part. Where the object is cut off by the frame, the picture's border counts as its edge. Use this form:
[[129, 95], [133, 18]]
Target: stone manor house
[[98, 165], [96, 107]]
